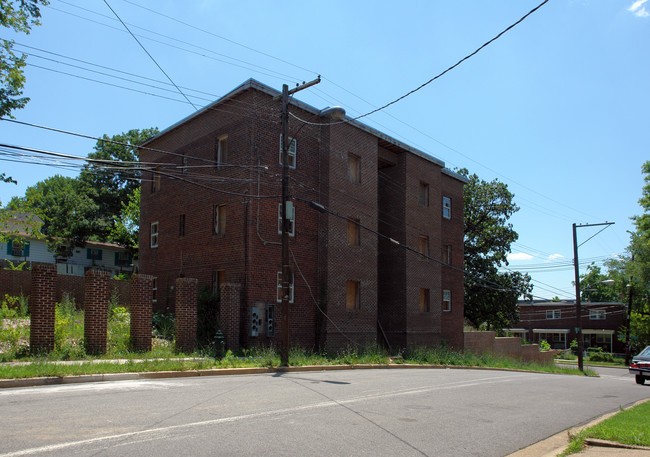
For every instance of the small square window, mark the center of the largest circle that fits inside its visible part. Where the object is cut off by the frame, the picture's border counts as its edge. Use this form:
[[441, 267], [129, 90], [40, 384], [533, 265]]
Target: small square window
[[424, 194], [154, 234], [291, 218], [423, 247], [446, 207], [446, 300], [219, 219], [354, 168], [93, 254], [279, 287], [425, 305], [181, 225], [221, 150], [18, 248], [352, 295], [354, 232], [291, 152]]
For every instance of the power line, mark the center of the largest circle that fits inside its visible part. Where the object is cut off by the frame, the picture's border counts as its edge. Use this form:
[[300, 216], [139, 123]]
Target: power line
[[150, 56], [457, 63]]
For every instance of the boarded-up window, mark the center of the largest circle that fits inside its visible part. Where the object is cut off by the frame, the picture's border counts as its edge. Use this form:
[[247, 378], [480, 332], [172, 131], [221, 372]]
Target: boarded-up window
[[424, 194], [423, 246], [352, 296], [354, 168], [354, 232], [425, 306]]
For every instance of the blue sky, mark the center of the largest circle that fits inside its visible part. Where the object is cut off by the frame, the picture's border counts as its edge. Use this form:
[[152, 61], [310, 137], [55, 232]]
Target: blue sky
[[557, 108]]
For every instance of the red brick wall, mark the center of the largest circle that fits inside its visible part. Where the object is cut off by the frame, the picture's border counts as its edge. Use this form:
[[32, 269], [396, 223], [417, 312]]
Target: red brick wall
[[97, 294], [141, 296], [453, 277], [230, 317], [42, 308], [186, 313]]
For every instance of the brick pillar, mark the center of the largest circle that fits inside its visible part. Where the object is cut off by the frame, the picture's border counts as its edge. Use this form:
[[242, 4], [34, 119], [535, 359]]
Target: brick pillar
[[186, 313], [42, 305], [230, 298], [96, 298], [141, 315]]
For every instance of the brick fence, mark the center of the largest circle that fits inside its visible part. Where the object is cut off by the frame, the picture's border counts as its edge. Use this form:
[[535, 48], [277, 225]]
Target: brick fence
[[480, 342], [20, 282]]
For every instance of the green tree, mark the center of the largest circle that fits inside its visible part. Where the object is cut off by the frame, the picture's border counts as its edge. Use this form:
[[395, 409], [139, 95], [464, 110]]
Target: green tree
[[68, 212], [19, 16], [592, 288], [490, 295], [113, 180], [126, 230]]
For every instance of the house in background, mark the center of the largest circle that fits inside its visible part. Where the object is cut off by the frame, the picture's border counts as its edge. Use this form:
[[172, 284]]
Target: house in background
[[210, 209], [555, 322], [25, 248]]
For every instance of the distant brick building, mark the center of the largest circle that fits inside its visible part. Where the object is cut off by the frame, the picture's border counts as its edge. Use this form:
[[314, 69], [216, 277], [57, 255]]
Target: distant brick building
[[210, 210], [555, 322]]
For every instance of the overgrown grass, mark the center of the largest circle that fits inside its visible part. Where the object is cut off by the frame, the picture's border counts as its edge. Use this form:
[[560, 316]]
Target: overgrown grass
[[166, 359], [630, 426]]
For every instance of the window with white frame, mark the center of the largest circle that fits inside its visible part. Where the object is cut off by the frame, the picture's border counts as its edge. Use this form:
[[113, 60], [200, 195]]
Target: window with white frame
[[597, 314], [446, 300], [291, 152], [446, 207], [291, 218], [553, 314], [154, 234], [221, 150], [279, 287]]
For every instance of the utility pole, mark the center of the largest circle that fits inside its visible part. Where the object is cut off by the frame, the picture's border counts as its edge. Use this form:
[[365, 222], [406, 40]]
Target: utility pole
[[576, 267], [629, 320], [286, 261]]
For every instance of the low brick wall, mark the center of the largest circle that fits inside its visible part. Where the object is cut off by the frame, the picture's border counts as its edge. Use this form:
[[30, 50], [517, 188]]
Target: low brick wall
[[480, 342]]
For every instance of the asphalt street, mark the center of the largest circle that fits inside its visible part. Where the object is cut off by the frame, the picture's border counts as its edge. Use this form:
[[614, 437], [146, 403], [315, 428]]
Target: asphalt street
[[406, 412]]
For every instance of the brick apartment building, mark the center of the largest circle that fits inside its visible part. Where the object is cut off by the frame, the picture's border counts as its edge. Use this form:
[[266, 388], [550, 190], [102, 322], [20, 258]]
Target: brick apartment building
[[555, 322], [210, 210]]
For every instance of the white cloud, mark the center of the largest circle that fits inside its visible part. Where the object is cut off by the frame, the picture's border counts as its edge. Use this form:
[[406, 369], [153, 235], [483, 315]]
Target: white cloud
[[638, 9], [557, 256], [519, 256]]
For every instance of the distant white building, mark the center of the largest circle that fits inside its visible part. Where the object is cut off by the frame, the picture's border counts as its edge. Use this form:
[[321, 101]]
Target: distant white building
[[24, 248]]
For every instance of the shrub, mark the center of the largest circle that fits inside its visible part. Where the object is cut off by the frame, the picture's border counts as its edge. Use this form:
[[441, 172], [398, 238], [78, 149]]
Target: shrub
[[164, 325], [119, 331], [544, 345]]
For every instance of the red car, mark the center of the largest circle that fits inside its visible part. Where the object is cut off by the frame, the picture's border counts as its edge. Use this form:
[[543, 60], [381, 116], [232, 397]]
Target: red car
[[640, 366]]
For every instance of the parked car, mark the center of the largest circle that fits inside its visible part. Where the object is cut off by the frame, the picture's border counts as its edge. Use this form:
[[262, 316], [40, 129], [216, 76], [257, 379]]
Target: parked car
[[640, 366]]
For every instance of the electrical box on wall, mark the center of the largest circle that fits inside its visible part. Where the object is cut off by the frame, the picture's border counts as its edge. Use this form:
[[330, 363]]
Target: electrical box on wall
[[255, 321], [270, 320]]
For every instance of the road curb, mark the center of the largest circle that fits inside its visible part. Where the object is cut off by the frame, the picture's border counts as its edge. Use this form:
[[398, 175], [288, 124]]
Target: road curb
[[76, 379]]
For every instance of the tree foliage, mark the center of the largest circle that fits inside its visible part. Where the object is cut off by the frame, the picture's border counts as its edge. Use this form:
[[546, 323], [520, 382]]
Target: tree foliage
[[490, 295], [20, 16], [112, 183], [592, 288], [126, 230], [68, 212]]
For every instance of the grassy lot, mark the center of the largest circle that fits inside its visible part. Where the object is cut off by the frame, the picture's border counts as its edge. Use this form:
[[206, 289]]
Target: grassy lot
[[68, 342], [630, 426]]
